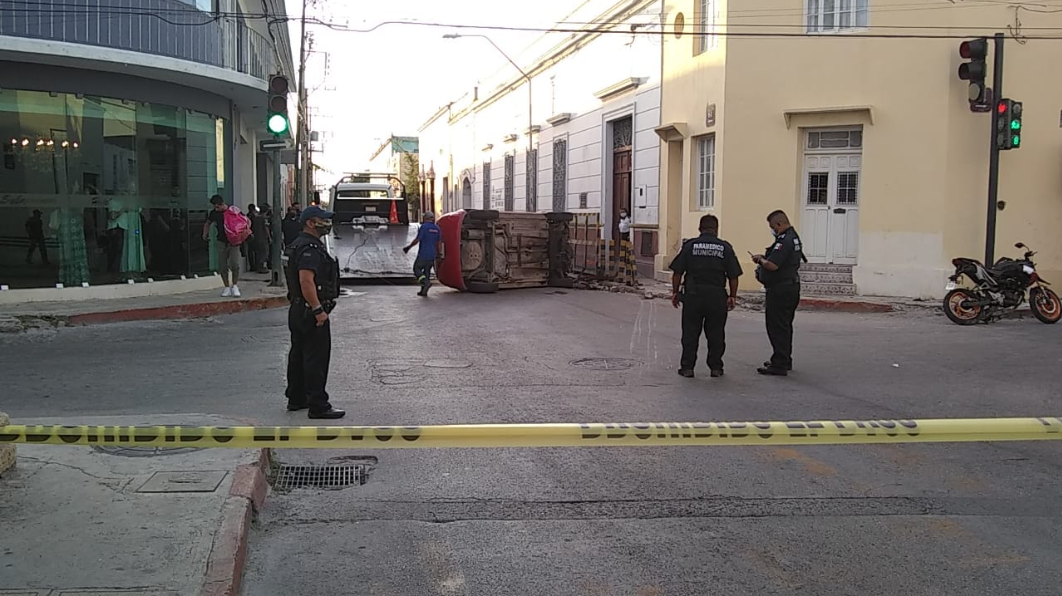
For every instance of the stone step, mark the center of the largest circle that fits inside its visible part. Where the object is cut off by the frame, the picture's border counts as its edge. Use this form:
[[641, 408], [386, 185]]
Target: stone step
[[827, 289], [826, 268], [825, 277]]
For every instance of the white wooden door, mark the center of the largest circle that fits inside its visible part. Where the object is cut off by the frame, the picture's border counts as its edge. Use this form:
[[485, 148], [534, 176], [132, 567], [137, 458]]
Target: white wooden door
[[829, 227]]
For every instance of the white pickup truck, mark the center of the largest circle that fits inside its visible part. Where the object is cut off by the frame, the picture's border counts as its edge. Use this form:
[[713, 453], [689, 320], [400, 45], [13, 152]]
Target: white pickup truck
[[370, 228]]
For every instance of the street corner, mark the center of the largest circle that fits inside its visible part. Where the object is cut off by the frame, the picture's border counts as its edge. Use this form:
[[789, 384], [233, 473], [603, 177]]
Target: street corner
[[189, 507]]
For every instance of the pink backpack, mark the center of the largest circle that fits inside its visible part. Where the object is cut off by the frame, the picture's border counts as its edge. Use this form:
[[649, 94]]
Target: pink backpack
[[237, 226]]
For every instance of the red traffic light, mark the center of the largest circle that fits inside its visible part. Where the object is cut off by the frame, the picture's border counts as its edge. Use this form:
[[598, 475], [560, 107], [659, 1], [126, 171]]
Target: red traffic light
[[278, 84], [1002, 107], [974, 49]]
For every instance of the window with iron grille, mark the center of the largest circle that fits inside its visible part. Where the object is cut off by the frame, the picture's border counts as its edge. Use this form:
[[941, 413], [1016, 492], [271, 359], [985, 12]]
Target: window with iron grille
[[531, 182], [560, 174], [706, 172], [486, 185], [831, 16], [623, 133], [510, 185]]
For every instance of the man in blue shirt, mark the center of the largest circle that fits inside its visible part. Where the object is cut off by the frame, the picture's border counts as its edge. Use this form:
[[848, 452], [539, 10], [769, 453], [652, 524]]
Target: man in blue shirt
[[429, 237]]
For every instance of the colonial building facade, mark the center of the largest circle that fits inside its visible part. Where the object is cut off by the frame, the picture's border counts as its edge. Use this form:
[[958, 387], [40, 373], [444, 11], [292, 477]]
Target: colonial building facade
[[587, 124], [868, 142]]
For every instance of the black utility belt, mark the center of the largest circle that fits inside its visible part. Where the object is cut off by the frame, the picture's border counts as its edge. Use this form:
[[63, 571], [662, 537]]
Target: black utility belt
[[328, 305], [784, 282]]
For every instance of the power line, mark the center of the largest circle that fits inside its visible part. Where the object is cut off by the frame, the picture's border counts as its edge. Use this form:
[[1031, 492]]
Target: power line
[[601, 27]]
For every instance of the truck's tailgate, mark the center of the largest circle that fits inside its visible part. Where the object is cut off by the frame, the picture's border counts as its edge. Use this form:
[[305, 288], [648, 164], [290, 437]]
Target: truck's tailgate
[[374, 251]]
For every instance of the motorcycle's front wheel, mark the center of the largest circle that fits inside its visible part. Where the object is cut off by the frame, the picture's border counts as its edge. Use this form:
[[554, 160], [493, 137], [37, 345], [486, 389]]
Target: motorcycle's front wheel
[[1045, 305], [958, 308]]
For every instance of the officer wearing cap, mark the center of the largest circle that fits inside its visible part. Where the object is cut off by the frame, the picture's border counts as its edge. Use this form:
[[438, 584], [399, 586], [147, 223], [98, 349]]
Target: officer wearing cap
[[709, 266], [313, 286]]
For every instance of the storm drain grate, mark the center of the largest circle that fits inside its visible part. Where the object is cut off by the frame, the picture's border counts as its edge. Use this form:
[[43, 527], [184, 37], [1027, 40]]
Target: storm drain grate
[[290, 476], [605, 363]]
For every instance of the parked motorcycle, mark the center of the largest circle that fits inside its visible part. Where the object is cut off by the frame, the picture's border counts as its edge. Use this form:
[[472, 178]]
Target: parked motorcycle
[[999, 288]]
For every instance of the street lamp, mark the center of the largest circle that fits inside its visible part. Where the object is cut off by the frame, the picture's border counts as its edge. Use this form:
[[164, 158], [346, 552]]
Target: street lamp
[[530, 141]]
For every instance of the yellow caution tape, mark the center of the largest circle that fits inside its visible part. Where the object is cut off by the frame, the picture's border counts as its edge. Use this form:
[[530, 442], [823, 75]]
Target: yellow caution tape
[[808, 432]]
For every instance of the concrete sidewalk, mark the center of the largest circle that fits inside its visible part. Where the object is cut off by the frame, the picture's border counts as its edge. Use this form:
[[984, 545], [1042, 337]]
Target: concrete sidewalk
[[753, 300], [124, 520], [254, 287]]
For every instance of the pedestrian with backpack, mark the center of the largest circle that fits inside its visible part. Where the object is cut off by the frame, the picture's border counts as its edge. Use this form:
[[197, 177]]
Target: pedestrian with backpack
[[233, 229]]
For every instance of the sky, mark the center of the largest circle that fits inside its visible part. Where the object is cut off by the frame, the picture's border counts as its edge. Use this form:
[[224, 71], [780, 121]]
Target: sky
[[366, 86]]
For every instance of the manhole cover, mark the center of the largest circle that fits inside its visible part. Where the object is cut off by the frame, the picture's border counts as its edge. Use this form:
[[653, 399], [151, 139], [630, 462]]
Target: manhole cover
[[290, 476], [142, 451], [604, 363]]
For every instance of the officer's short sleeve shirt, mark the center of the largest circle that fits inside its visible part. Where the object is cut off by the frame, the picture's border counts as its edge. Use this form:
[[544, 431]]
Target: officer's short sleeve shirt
[[783, 248], [309, 258], [681, 262]]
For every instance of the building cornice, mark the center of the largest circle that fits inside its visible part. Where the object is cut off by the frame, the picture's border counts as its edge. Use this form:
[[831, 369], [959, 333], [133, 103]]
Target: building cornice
[[610, 19], [620, 88]]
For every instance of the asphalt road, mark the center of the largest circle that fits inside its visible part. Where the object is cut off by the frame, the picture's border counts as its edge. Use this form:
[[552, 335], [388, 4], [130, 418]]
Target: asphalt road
[[914, 519]]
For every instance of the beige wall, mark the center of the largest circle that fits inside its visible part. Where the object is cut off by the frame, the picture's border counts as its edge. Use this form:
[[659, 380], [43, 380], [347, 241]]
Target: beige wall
[[925, 155], [689, 84]]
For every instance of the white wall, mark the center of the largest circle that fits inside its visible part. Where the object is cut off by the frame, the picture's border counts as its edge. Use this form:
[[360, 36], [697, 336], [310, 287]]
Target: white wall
[[567, 87]]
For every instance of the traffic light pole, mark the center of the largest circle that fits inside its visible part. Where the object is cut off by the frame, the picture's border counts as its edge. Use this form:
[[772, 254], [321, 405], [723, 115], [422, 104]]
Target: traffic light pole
[[993, 155], [277, 274]]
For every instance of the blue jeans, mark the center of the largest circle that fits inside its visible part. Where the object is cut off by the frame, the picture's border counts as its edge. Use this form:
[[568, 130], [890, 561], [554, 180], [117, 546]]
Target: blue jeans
[[422, 270]]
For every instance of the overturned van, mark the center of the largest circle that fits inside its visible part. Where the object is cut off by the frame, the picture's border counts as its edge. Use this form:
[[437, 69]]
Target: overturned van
[[486, 250]]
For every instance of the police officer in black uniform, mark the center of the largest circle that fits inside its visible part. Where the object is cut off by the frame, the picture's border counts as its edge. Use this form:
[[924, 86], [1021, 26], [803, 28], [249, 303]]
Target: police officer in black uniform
[[708, 263], [313, 286], [779, 272]]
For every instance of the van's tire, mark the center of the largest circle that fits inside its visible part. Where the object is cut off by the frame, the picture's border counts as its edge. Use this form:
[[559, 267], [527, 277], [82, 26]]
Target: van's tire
[[483, 215], [481, 287]]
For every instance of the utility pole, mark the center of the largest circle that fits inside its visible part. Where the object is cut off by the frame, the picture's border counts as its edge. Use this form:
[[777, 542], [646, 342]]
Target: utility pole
[[993, 156], [277, 276], [300, 138]]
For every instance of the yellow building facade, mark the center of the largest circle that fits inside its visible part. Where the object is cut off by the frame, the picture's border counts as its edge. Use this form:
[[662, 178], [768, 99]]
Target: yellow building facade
[[866, 141]]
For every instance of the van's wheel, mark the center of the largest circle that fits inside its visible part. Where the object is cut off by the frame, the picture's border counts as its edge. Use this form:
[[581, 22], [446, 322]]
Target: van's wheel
[[1045, 305], [481, 287], [958, 309], [483, 215]]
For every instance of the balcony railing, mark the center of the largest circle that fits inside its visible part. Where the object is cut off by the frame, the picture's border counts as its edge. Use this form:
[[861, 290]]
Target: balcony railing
[[161, 27]]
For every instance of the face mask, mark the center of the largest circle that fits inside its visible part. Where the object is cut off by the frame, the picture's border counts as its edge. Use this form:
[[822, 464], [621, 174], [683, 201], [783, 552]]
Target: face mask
[[323, 228], [773, 233]]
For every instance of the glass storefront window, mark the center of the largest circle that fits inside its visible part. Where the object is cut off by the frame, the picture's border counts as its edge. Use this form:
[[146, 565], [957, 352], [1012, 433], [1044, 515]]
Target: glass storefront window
[[99, 190]]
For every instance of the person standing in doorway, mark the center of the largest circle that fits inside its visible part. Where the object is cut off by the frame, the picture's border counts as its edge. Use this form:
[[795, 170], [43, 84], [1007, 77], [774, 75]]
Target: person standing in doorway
[[35, 231], [702, 272], [779, 272], [625, 225], [313, 286], [429, 237], [258, 251], [228, 254]]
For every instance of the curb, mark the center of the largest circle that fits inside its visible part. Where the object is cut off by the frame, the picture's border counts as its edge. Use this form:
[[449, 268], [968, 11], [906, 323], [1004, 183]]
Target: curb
[[849, 306], [179, 311], [228, 553]]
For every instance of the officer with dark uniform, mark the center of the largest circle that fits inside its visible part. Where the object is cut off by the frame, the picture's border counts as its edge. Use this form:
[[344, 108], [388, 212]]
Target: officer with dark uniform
[[313, 286], [779, 272], [708, 264]]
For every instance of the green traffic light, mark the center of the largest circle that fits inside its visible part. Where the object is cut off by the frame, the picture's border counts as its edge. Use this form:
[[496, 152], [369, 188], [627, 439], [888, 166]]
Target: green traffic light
[[1015, 141], [277, 124], [1015, 124]]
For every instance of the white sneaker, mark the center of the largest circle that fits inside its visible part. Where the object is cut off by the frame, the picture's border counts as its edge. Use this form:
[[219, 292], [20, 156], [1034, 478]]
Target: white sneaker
[[235, 291], [226, 292]]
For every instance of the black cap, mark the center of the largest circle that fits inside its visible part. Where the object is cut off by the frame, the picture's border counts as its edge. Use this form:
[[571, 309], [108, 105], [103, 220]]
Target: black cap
[[314, 211]]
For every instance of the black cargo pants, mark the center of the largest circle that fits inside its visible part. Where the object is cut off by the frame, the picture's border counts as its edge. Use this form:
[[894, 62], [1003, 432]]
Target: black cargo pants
[[704, 311]]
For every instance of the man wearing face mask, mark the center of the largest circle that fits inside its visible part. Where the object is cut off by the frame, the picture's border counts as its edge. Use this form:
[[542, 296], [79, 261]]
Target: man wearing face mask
[[779, 272], [313, 286]]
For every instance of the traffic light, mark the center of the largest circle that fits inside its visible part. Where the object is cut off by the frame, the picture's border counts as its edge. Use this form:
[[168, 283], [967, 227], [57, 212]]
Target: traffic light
[[974, 71], [277, 119], [1008, 124]]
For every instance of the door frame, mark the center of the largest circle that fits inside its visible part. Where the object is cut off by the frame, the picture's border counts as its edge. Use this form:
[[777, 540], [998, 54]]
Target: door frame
[[608, 122], [806, 151]]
